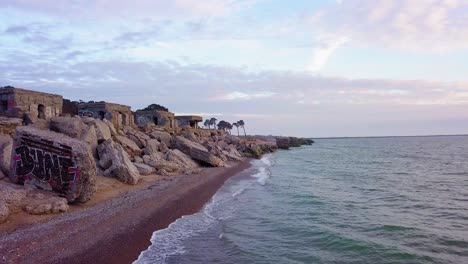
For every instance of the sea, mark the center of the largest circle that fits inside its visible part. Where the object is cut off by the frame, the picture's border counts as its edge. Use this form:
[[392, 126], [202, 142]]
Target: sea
[[352, 200]]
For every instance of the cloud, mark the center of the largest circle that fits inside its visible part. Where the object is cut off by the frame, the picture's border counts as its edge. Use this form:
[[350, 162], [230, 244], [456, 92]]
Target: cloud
[[244, 95], [147, 8], [17, 30], [324, 51], [430, 25], [268, 97]]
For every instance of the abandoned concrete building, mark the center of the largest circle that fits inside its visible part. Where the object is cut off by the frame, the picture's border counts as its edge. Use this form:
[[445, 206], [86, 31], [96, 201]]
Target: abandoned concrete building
[[157, 117], [189, 121], [21, 103], [118, 115]]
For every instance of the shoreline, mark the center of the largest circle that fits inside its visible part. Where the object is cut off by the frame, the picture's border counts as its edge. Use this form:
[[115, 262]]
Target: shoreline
[[119, 228]]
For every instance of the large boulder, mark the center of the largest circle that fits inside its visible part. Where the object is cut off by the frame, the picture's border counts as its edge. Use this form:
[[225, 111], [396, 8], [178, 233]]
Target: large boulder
[[144, 169], [129, 146], [39, 204], [162, 136], [102, 130], [116, 163], [6, 145], [197, 152], [12, 195], [188, 134], [231, 153], [4, 211], [152, 146], [181, 158], [153, 159], [138, 137], [70, 126], [90, 136], [53, 161], [111, 127]]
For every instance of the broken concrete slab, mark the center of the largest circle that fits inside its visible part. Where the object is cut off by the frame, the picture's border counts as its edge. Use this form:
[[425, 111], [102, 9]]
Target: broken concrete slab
[[116, 163], [53, 161], [197, 152]]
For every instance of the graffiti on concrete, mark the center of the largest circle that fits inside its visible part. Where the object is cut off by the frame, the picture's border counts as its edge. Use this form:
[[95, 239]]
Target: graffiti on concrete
[[45, 161]]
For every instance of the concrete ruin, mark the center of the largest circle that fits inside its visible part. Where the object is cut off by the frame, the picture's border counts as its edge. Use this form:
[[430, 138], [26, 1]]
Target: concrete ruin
[[157, 117], [118, 115], [27, 104], [53, 161], [189, 121]]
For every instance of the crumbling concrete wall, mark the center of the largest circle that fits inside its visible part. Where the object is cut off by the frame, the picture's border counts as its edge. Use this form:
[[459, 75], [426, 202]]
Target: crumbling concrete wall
[[53, 161], [118, 115], [188, 121], [159, 118], [16, 102]]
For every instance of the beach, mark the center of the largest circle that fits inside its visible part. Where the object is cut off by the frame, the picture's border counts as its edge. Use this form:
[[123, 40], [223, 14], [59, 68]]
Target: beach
[[118, 228]]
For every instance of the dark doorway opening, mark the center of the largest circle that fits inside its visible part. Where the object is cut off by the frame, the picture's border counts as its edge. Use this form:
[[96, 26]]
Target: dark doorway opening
[[4, 105], [124, 119], [101, 115], [155, 120], [41, 112]]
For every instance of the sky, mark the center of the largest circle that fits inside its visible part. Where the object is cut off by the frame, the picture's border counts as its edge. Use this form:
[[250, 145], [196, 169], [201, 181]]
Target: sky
[[319, 68]]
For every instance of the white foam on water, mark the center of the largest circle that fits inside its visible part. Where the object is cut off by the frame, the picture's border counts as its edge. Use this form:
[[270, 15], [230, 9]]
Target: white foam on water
[[239, 192], [262, 175], [267, 160], [170, 241]]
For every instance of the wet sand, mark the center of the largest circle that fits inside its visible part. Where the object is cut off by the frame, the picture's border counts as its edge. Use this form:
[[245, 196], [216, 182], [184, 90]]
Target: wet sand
[[117, 229]]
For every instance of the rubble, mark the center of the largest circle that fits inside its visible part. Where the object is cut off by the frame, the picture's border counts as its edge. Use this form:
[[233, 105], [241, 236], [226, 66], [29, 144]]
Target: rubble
[[116, 163], [197, 152]]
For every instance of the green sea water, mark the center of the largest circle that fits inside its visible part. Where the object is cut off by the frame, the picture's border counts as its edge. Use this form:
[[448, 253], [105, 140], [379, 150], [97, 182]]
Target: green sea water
[[368, 200]]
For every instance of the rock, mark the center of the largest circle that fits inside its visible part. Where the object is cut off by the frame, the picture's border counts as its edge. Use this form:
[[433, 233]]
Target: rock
[[144, 169], [8, 125], [4, 212], [55, 162], [138, 159], [102, 130], [232, 140], [116, 163], [153, 160], [162, 137], [90, 137], [222, 145], [2, 175], [111, 127], [163, 147], [180, 158], [129, 146], [189, 135], [70, 126], [6, 145], [152, 145], [232, 154], [12, 195], [137, 141], [45, 205], [138, 137], [197, 152], [252, 150], [282, 142]]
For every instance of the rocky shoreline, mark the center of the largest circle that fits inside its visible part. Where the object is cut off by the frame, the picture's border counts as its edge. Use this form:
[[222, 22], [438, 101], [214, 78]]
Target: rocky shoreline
[[60, 171]]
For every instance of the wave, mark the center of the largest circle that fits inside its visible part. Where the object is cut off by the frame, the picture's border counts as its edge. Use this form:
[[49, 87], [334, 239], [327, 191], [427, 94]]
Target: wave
[[262, 175]]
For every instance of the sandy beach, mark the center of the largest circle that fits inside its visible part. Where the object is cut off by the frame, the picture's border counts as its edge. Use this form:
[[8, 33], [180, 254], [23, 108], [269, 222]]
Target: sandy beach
[[116, 227]]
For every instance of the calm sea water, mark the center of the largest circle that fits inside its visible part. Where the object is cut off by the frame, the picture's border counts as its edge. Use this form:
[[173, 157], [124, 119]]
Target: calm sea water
[[370, 200]]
